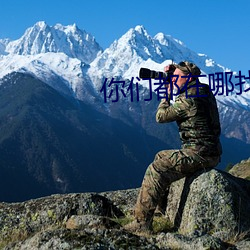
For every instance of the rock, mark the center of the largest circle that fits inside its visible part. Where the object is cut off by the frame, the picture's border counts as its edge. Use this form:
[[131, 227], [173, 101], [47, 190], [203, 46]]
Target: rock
[[178, 241], [124, 199], [209, 210], [243, 245], [90, 221], [20, 220], [241, 169], [212, 202], [85, 239]]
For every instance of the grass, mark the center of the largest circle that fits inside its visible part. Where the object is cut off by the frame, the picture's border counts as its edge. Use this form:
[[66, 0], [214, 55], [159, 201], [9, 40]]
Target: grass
[[162, 224], [123, 220]]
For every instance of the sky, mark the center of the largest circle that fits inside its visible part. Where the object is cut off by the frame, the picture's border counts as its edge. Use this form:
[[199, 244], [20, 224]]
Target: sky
[[217, 28]]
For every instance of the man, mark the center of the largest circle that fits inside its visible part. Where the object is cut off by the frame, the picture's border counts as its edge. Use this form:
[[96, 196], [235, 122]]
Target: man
[[195, 111]]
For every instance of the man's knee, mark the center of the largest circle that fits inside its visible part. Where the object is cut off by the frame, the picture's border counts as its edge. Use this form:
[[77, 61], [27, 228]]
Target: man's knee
[[162, 154], [162, 160]]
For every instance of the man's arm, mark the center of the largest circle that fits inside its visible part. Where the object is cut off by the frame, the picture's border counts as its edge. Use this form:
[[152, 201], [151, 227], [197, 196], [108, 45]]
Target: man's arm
[[183, 107], [165, 112]]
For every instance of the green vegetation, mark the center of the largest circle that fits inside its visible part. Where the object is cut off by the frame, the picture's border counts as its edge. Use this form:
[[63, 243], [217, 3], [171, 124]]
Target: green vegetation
[[123, 220], [160, 223]]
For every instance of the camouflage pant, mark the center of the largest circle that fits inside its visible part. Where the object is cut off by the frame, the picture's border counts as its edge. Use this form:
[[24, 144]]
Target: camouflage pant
[[167, 167]]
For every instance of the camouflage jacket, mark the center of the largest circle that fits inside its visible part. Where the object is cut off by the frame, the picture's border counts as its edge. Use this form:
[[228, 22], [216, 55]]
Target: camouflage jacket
[[195, 111]]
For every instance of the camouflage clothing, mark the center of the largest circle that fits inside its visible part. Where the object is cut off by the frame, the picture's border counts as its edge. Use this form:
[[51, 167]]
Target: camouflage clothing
[[199, 128], [197, 118]]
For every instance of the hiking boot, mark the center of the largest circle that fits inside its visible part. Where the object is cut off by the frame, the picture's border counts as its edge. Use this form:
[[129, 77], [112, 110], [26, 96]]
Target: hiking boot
[[140, 227]]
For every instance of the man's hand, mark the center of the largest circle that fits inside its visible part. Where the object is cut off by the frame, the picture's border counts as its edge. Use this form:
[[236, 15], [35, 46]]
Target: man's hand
[[169, 86], [166, 68]]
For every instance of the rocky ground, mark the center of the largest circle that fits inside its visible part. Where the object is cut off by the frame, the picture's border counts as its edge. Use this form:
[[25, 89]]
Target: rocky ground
[[242, 169], [208, 211]]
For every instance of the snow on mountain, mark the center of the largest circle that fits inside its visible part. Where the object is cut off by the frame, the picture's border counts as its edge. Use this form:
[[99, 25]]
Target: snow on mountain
[[177, 52], [3, 43], [42, 38], [63, 73], [57, 55], [73, 56], [137, 49], [132, 49]]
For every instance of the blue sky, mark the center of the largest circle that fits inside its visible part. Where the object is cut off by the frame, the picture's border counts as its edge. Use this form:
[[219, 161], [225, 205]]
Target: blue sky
[[220, 29]]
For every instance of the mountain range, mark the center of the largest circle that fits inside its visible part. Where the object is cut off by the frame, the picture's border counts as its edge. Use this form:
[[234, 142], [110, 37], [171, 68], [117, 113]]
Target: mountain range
[[57, 134]]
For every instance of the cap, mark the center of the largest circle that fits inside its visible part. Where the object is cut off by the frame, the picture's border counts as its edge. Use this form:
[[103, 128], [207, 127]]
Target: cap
[[188, 67]]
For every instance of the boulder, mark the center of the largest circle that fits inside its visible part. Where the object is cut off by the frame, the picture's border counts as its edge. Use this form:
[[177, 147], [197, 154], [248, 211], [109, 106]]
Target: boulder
[[210, 202], [19, 221], [178, 241], [209, 210], [241, 169]]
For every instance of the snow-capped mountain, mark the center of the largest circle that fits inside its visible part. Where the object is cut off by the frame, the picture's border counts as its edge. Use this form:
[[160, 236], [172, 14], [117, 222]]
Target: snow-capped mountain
[[55, 138], [74, 56], [71, 61], [70, 40], [64, 73], [137, 49], [50, 54]]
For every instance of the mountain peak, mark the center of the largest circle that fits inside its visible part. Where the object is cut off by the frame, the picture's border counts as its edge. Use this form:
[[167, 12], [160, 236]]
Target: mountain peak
[[69, 28], [126, 54], [42, 38], [161, 38], [140, 29], [41, 24], [167, 39]]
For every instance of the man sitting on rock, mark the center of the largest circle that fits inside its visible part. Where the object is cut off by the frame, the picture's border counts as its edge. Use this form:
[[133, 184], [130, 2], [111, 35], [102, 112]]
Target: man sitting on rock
[[195, 111]]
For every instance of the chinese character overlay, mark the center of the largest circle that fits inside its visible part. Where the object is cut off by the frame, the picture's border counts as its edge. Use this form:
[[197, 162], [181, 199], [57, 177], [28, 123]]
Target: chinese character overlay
[[220, 83]]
